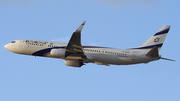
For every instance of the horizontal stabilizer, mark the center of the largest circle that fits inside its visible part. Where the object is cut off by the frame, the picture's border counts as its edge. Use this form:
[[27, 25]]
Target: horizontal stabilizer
[[166, 59], [153, 52]]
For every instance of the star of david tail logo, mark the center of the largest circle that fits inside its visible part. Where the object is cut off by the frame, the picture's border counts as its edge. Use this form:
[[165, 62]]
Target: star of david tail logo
[[156, 40]]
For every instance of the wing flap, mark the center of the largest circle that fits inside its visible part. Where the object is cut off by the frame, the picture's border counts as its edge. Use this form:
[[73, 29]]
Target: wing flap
[[73, 57], [78, 50]]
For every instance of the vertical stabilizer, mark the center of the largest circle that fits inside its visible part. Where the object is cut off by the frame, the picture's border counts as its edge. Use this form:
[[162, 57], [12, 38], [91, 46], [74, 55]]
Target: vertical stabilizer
[[156, 40]]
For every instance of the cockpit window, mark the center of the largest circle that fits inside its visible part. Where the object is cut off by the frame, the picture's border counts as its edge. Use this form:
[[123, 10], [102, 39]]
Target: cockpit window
[[27, 41], [13, 41]]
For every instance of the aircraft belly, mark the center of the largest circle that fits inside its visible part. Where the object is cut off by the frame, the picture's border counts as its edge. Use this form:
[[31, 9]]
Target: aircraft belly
[[107, 59], [125, 60]]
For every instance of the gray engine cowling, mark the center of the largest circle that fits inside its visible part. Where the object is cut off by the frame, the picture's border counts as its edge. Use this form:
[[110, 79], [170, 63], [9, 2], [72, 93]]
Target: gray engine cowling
[[59, 53], [73, 63]]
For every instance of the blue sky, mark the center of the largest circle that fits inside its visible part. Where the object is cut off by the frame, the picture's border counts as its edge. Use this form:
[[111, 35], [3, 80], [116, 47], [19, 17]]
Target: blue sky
[[112, 23]]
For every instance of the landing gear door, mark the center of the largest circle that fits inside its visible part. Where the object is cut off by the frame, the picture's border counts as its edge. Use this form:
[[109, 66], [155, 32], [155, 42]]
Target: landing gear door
[[133, 56]]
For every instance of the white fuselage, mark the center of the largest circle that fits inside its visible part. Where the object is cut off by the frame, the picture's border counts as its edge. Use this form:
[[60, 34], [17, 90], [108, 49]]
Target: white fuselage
[[94, 54]]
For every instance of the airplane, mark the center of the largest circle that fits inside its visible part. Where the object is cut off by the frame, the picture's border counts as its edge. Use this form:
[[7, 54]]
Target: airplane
[[76, 55]]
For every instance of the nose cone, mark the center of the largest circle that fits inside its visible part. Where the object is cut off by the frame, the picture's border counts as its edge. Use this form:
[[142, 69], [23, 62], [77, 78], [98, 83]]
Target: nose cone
[[11, 47], [6, 46]]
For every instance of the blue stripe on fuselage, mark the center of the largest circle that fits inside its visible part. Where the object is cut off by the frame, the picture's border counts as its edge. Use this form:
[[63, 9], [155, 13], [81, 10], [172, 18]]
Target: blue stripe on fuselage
[[148, 47], [47, 50], [44, 51]]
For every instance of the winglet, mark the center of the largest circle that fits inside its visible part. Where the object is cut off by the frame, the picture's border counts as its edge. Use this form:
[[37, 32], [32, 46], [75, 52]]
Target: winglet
[[80, 27]]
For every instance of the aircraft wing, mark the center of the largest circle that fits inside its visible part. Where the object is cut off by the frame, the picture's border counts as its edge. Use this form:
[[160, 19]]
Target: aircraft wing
[[74, 49]]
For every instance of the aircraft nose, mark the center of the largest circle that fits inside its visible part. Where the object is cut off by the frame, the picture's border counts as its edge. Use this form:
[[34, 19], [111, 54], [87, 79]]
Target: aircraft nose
[[6, 46], [10, 47]]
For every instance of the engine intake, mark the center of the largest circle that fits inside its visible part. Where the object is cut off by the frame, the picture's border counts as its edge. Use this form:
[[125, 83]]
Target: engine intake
[[73, 63]]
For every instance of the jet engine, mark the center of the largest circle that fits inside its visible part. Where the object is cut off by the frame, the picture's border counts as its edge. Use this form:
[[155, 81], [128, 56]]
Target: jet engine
[[73, 63], [59, 53]]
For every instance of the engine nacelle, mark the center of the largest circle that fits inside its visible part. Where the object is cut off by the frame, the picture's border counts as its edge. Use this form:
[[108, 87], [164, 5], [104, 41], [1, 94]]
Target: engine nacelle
[[73, 63], [59, 53]]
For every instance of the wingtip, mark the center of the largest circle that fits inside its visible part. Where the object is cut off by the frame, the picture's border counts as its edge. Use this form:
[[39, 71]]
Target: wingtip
[[81, 27], [83, 23]]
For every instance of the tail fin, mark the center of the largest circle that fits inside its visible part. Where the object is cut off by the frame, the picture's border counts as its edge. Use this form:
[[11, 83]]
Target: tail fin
[[156, 40]]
